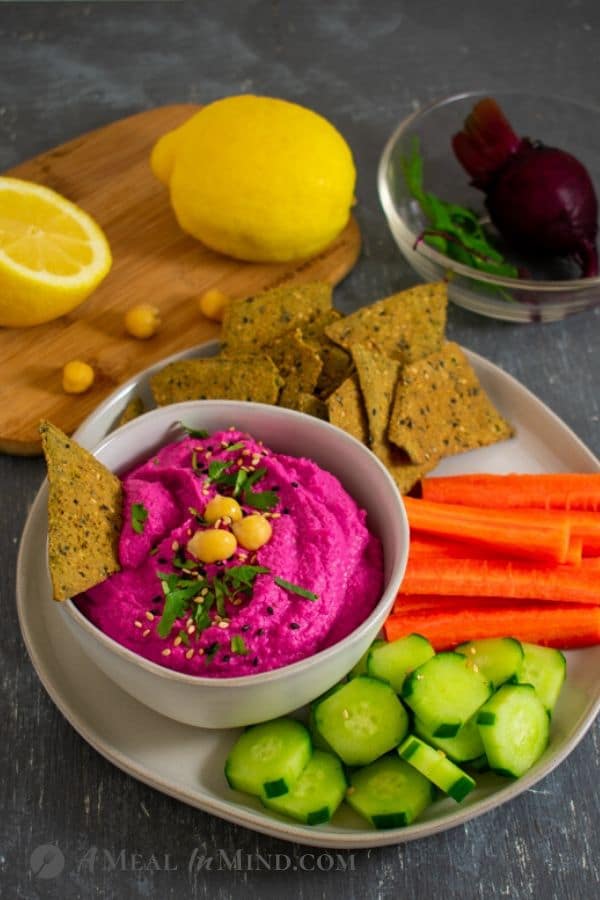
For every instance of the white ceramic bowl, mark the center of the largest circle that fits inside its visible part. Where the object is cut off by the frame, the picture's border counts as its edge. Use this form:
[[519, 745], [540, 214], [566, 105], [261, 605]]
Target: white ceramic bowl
[[228, 702]]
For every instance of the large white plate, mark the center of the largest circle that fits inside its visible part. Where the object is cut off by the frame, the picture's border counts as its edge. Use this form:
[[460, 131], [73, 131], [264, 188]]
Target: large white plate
[[187, 762]]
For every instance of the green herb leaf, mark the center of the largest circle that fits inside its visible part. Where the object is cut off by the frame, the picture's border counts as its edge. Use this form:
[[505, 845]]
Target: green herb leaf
[[185, 638], [211, 649], [238, 645], [295, 589], [253, 477], [179, 592], [261, 500], [194, 432], [239, 446], [220, 593], [139, 514], [217, 468], [241, 479]]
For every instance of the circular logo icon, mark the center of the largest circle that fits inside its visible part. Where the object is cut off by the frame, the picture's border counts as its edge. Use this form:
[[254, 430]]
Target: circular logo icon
[[47, 861]]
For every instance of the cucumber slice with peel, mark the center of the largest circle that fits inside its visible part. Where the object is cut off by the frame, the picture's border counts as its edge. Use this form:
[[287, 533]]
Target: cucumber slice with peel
[[497, 659], [361, 720], [466, 745], [545, 669], [445, 692], [514, 727], [393, 661], [267, 759], [360, 668], [389, 793], [317, 793], [435, 766]]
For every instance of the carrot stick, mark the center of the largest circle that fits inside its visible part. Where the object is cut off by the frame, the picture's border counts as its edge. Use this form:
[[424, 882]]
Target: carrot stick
[[513, 532], [504, 578], [422, 545], [586, 526], [559, 625], [560, 490]]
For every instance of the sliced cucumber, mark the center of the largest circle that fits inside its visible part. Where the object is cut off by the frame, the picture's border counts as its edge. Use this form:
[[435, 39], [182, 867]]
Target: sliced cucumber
[[435, 766], [389, 792], [394, 661], [361, 720], [545, 669], [267, 759], [514, 728], [360, 668], [465, 746], [445, 692], [496, 658], [480, 764], [316, 794]]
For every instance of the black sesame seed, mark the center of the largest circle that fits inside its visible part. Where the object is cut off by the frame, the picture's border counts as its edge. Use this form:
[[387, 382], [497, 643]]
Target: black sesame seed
[[285, 512], [245, 627], [260, 632], [225, 658], [294, 626], [163, 561], [276, 487], [255, 661], [270, 610], [294, 484]]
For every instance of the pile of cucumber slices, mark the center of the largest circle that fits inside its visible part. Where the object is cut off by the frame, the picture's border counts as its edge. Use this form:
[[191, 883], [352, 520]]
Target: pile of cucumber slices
[[401, 728]]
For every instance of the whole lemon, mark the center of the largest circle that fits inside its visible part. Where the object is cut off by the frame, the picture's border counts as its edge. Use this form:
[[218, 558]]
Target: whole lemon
[[258, 178]]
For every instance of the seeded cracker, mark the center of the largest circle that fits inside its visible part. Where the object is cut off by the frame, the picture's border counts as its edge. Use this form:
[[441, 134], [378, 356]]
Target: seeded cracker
[[299, 365], [257, 321], [238, 378], [134, 408], [440, 408], [347, 411], [405, 326], [377, 376], [308, 403], [84, 515]]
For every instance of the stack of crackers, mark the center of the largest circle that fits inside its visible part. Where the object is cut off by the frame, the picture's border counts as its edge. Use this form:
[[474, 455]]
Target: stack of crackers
[[386, 373]]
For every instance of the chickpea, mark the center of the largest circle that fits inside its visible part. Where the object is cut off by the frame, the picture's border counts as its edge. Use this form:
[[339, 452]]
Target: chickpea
[[77, 377], [220, 507], [252, 532], [212, 545], [142, 321], [213, 303]]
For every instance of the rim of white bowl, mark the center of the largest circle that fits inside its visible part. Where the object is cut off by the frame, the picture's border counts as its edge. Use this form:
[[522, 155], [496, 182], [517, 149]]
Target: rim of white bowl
[[445, 262], [377, 614]]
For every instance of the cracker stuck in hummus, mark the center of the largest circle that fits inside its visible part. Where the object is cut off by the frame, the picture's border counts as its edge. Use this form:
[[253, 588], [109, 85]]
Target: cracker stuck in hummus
[[84, 515]]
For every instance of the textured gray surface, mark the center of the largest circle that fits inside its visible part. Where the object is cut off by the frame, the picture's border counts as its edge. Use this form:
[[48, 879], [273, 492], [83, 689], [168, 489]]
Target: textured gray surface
[[65, 68]]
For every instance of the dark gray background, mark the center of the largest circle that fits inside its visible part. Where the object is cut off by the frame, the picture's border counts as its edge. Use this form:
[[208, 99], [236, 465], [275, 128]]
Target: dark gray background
[[66, 68]]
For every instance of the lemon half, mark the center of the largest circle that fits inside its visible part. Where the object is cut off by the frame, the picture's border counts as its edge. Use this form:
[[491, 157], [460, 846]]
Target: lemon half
[[52, 254], [258, 178]]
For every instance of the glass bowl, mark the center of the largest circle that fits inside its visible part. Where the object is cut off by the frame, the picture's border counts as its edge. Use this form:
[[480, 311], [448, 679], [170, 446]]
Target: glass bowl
[[554, 291]]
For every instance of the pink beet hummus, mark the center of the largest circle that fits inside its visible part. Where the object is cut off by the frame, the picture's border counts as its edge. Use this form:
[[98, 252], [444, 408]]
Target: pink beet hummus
[[320, 542]]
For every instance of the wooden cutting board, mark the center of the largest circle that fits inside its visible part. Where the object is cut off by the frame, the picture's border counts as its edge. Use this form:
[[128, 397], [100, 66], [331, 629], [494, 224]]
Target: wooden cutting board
[[108, 174]]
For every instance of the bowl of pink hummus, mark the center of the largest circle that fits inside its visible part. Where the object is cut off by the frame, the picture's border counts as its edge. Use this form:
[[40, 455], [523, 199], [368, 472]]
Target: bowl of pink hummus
[[260, 552]]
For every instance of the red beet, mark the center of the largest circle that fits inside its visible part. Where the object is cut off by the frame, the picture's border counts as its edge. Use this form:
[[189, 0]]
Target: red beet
[[540, 199]]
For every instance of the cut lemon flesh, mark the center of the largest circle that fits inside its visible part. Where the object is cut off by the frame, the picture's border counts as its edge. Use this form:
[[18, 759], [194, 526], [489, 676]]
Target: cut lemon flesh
[[52, 254]]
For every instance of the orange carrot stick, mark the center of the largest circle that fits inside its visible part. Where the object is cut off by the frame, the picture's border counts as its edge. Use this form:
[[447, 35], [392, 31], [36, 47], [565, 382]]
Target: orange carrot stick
[[425, 545], [560, 490], [503, 578], [513, 532], [559, 625]]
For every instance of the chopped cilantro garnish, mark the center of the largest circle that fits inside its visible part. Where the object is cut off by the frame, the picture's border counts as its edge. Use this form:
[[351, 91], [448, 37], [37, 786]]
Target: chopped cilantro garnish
[[217, 468], [261, 499], [178, 594], [184, 638], [238, 645], [139, 514], [241, 479], [253, 477], [239, 446], [211, 649], [194, 432], [295, 589]]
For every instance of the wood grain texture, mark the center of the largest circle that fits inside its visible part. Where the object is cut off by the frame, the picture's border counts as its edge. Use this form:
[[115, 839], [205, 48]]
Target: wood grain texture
[[107, 172]]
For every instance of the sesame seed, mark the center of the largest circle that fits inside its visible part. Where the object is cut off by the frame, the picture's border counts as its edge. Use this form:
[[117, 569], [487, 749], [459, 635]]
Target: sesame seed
[[145, 632], [175, 545], [189, 532], [246, 452], [191, 629], [217, 524], [255, 459], [189, 653], [166, 652], [137, 623], [149, 616], [226, 520], [217, 619], [224, 444], [209, 453], [239, 461], [251, 469], [223, 624], [204, 592], [275, 515], [198, 599], [201, 651], [177, 641]]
